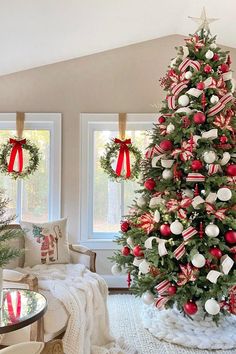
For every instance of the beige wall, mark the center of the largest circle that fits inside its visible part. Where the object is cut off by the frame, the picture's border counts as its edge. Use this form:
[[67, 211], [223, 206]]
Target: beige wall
[[120, 80]]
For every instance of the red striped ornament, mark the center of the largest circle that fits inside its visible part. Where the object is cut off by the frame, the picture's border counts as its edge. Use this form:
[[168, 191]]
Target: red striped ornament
[[179, 251], [213, 169], [195, 177], [161, 301], [162, 287], [189, 232]]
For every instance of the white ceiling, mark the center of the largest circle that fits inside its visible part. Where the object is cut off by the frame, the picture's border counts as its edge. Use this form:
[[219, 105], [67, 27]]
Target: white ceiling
[[39, 32]]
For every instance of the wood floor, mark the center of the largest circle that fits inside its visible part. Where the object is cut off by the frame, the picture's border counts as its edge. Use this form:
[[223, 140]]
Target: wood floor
[[114, 291]]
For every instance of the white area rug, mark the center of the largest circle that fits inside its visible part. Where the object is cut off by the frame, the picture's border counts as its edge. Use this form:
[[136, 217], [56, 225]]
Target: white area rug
[[125, 319]]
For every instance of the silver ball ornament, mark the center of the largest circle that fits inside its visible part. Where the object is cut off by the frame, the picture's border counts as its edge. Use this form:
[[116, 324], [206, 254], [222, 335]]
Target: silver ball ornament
[[209, 156], [214, 99], [198, 260], [176, 227], [212, 230], [209, 54], [183, 100], [224, 194], [212, 307], [148, 298], [167, 174]]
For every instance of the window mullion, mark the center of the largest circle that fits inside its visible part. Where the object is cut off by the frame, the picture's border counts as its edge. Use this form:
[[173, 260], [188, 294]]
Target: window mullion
[[19, 196], [122, 199]]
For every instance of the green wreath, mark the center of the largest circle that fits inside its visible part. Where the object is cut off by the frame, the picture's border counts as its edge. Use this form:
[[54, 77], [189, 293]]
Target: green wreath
[[111, 152], [27, 170]]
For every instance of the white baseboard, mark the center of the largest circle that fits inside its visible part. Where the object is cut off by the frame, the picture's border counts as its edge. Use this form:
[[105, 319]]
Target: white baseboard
[[115, 281]]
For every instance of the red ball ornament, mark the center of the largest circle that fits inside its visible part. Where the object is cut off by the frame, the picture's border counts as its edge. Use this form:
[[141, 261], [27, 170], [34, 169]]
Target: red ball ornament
[[190, 308], [230, 236], [137, 251], [231, 170], [196, 165], [215, 57], [200, 85], [161, 120], [207, 69], [166, 145], [165, 230], [199, 118], [172, 290], [186, 121], [223, 139], [150, 184], [215, 252], [224, 68], [125, 251], [124, 226]]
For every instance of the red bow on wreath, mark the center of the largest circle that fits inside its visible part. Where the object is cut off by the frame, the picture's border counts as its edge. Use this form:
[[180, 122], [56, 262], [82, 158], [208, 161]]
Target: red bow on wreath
[[123, 154], [17, 148]]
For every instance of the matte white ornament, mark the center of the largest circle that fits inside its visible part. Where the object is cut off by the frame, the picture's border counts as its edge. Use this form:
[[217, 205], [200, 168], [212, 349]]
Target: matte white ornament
[[170, 128], [188, 75], [167, 174], [224, 194], [148, 298], [183, 100], [167, 163], [187, 193], [144, 267], [209, 156], [116, 269], [212, 230], [130, 242], [214, 99], [157, 216], [198, 260], [212, 307], [176, 227], [155, 201], [141, 201], [209, 54], [225, 159], [213, 46]]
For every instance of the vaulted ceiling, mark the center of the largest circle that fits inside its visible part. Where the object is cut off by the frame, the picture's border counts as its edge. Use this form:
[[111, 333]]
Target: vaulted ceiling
[[39, 32]]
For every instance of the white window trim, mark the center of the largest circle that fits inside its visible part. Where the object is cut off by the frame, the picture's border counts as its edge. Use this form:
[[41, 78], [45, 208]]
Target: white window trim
[[134, 120], [51, 122]]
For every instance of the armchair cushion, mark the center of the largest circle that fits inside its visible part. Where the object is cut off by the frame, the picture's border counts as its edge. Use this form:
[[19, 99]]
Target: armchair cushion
[[24, 348], [12, 275], [46, 243]]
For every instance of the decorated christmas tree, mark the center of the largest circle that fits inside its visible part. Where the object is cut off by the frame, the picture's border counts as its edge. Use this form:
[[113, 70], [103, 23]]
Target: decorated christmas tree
[[179, 239], [6, 251]]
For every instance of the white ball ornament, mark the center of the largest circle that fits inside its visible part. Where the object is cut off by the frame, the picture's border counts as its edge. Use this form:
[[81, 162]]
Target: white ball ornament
[[116, 269], [198, 260], [209, 54], [188, 75], [130, 242], [183, 100], [167, 174], [213, 46], [141, 201], [144, 267], [176, 227], [214, 99], [209, 156], [148, 298], [224, 194], [157, 216], [212, 307], [212, 230], [170, 128]]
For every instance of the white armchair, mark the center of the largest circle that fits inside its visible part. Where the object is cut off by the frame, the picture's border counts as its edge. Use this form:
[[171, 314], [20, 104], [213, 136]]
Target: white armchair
[[54, 347], [54, 322]]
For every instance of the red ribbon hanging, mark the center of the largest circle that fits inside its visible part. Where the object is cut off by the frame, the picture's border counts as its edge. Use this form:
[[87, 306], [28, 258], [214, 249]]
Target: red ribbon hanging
[[17, 148], [13, 317], [123, 153]]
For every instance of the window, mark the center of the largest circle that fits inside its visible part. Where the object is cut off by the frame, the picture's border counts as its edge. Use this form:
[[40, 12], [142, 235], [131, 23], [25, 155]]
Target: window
[[36, 198], [103, 202]]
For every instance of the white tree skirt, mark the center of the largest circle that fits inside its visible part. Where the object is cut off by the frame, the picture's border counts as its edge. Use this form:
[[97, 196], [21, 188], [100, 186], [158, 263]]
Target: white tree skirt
[[173, 327]]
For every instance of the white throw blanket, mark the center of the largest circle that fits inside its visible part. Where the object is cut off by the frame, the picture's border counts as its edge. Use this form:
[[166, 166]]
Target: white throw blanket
[[84, 296]]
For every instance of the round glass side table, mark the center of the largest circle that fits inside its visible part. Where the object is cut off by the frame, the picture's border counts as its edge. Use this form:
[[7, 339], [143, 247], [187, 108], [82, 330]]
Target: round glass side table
[[20, 308]]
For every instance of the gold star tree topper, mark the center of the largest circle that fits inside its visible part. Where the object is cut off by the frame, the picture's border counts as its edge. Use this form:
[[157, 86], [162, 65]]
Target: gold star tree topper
[[203, 21]]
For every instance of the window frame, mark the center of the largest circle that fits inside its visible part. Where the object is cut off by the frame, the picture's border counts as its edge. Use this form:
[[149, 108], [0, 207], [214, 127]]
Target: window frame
[[90, 122], [42, 121]]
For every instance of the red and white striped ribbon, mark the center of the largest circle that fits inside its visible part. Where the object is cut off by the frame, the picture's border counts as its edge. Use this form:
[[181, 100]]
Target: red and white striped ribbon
[[213, 169], [189, 232], [162, 287], [188, 62], [195, 177], [178, 88], [171, 102], [155, 150], [179, 251], [161, 301], [220, 105]]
